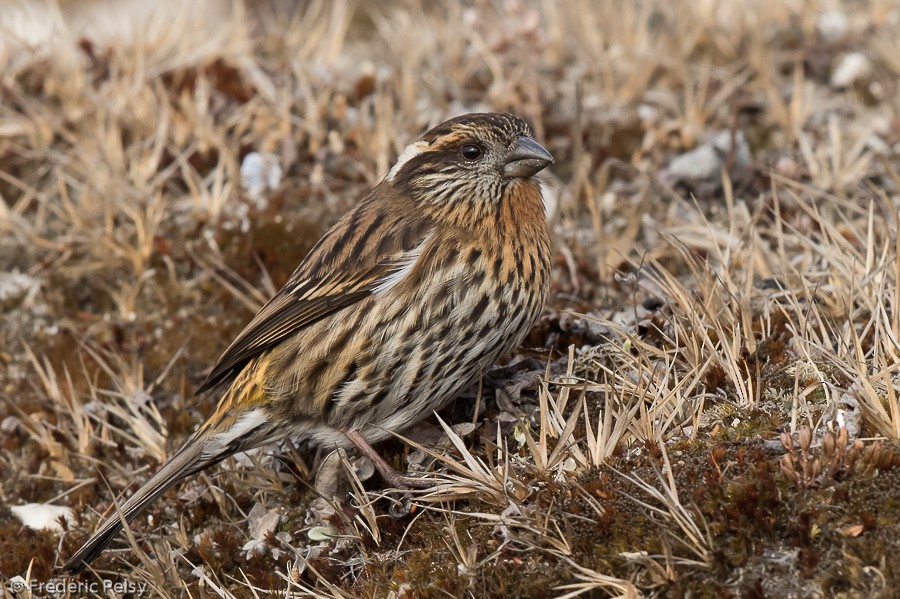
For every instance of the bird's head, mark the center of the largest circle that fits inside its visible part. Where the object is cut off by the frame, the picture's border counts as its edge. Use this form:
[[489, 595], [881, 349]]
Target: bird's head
[[473, 158]]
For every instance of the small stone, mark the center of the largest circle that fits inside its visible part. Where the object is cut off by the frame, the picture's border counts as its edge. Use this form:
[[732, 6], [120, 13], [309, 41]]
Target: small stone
[[260, 173], [648, 114], [832, 25], [42, 516], [706, 161], [9, 424], [17, 288], [850, 68], [787, 166]]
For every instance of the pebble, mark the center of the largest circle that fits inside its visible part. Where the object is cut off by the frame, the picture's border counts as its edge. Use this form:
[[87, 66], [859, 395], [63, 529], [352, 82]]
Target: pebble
[[706, 160], [42, 516], [850, 68], [260, 173]]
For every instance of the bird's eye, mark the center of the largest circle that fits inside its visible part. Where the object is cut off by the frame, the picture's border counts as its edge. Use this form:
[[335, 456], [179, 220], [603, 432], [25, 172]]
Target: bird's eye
[[470, 152]]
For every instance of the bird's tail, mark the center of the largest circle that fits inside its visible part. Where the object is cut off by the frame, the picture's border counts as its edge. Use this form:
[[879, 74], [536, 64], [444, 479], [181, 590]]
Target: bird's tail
[[226, 432], [189, 459]]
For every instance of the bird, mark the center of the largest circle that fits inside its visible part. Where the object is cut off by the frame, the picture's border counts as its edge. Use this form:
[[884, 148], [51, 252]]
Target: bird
[[438, 272]]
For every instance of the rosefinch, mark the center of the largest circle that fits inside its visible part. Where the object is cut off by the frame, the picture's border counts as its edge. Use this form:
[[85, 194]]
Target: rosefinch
[[441, 270]]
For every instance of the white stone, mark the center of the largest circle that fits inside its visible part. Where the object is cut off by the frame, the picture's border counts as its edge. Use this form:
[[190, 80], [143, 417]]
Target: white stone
[[705, 161], [832, 25], [260, 173], [850, 68], [42, 516], [17, 287]]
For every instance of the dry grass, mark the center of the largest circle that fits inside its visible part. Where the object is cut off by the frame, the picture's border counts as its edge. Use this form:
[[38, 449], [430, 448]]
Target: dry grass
[[709, 407]]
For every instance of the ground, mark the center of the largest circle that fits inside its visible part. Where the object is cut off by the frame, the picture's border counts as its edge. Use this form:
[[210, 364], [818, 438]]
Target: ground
[[707, 408]]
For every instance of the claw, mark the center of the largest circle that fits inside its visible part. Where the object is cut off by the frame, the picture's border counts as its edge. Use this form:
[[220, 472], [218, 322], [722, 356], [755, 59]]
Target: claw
[[401, 507]]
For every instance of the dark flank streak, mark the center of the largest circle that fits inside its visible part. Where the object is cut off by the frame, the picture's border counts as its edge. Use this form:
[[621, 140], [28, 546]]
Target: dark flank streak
[[498, 267], [451, 252], [481, 307]]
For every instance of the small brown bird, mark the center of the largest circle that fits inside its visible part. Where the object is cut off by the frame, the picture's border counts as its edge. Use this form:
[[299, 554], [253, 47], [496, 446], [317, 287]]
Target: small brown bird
[[441, 270]]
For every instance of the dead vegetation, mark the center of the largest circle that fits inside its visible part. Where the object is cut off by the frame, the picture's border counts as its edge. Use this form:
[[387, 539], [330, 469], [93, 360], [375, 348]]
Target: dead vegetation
[[708, 407]]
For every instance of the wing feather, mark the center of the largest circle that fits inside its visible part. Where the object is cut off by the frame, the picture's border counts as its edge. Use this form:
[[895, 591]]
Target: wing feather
[[318, 290]]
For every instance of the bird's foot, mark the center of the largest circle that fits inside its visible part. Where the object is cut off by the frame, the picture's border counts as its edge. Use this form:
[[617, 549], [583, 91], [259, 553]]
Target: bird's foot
[[390, 476]]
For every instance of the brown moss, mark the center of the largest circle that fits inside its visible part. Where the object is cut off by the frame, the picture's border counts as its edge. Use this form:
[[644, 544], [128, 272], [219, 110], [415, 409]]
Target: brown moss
[[19, 545]]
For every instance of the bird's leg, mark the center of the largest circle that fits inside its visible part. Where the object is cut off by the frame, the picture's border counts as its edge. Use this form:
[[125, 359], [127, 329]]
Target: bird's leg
[[393, 477]]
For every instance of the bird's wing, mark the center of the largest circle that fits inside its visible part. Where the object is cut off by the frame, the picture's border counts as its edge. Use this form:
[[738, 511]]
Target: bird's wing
[[350, 263]]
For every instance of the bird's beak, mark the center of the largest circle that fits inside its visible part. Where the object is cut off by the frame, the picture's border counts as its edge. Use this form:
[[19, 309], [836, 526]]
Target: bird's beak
[[525, 159]]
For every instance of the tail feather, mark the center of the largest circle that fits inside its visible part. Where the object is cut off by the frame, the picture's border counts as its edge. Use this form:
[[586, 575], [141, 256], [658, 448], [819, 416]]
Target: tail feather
[[189, 459], [217, 439]]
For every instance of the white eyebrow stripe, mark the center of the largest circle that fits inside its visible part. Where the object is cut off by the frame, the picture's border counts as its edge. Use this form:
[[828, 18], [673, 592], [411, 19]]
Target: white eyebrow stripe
[[410, 152], [406, 263]]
